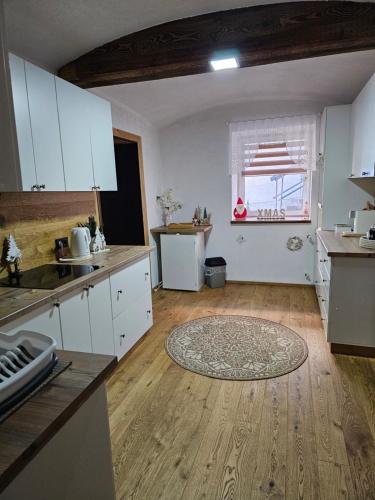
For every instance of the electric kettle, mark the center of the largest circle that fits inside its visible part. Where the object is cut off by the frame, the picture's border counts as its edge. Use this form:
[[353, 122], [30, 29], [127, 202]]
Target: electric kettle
[[80, 239]]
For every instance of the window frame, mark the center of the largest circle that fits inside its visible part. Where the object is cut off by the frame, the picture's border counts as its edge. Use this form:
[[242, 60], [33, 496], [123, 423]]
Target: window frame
[[263, 165]]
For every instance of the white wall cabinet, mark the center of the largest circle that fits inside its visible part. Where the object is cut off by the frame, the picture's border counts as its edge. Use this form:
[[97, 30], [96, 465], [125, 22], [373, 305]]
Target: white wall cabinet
[[37, 126], [23, 124], [75, 136], [337, 195], [46, 320], [64, 134], [45, 128], [102, 149], [362, 126]]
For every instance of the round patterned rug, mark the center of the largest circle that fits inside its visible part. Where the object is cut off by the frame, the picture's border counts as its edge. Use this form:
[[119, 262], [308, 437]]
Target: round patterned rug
[[236, 347]]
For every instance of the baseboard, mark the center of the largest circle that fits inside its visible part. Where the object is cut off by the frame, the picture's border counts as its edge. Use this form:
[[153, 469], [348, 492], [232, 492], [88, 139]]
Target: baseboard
[[353, 350], [237, 282]]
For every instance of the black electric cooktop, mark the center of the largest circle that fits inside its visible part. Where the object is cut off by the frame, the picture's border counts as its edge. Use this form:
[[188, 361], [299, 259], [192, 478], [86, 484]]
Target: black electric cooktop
[[49, 276]]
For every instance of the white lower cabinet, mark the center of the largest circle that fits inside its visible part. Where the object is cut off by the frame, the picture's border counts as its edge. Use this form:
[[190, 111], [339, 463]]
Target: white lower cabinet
[[131, 325], [75, 322], [100, 310], [84, 320], [46, 320]]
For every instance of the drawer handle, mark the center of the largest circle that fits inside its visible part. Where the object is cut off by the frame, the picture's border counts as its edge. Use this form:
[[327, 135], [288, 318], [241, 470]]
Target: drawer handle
[[91, 286], [56, 304], [119, 291]]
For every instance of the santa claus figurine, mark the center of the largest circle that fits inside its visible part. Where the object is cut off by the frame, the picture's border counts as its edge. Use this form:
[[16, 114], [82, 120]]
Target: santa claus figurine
[[240, 211]]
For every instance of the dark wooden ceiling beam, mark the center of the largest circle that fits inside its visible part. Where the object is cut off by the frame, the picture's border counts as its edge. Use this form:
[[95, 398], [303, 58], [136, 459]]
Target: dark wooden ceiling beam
[[262, 34]]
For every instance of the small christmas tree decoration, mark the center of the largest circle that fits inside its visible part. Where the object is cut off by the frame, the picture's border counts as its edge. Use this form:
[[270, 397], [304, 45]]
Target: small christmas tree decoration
[[240, 211], [96, 242], [11, 256]]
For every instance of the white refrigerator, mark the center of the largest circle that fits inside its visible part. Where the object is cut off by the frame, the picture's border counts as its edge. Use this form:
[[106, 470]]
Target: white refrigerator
[[182, 260]]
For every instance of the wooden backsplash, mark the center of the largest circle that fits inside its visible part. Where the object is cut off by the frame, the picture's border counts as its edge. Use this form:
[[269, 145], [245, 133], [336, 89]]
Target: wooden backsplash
[[37, 219]]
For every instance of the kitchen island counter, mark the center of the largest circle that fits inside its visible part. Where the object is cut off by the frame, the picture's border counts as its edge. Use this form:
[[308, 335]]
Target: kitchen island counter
[[34, 426]]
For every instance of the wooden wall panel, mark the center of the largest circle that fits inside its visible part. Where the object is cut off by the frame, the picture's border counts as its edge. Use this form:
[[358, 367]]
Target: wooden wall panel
[[37, 219]]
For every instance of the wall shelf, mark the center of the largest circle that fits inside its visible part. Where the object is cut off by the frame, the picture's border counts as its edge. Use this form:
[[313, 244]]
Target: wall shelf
[[365, 183]]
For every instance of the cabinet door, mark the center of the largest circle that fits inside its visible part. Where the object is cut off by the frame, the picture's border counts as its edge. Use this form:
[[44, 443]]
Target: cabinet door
[[99, 296], [179, 261], [75, 136], [46, 320], [45, 128], [103, 152], [131, 325], [75, 322], [128, 284], [23, 124]]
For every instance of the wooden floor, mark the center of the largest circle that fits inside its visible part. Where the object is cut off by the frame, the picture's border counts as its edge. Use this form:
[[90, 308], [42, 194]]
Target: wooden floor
[[309, 434]]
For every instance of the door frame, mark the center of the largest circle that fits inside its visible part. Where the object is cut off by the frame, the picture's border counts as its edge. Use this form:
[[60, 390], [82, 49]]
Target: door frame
[[128, 136]]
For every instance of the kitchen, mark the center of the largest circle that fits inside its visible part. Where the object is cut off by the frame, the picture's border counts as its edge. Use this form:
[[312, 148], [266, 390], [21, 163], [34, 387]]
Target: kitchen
[[124, 386]]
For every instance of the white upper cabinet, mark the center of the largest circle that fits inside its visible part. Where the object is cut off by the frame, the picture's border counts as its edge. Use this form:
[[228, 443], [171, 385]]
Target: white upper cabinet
[[363, 126], [103, 153], [45, 128], [75, 136], [23, 124], [64, 135]]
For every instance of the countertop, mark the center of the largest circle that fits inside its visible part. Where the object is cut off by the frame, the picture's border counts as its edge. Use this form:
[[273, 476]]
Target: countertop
[[338, 246], [28, 429], [16, 302], [181, 230]]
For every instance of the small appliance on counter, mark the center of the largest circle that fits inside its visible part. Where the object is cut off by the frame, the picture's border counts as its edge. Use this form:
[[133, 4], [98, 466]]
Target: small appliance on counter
[[26, 359], [80, 239]]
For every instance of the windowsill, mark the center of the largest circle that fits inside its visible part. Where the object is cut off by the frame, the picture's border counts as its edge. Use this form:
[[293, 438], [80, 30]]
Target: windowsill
[[271, 221]]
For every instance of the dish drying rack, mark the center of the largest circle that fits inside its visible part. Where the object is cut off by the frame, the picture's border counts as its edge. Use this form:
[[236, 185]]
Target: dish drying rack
[[26, 359]]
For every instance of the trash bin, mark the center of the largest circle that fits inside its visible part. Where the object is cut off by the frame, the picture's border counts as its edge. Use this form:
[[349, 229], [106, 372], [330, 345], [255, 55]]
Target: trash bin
[[215, 272]]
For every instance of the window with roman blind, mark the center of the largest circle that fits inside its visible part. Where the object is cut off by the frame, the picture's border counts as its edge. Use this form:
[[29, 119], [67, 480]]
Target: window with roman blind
[[271, 163]]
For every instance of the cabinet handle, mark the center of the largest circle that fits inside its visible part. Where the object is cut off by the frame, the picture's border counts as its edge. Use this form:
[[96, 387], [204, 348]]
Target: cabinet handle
[[97, 187], [86, 288], [146, 275], [93, 188], [42, 186], [149, 311], [34, 186], [91, 286], [324, 281], [323, 300], [56, 304], [122, 336]]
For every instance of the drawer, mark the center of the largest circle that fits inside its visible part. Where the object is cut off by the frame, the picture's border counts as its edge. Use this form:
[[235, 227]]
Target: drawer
[[128, 284], [132, 324], [323, 257]]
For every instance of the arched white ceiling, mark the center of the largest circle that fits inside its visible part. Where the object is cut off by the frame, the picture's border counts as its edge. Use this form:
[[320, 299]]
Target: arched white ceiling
[[329, 80], [54, 32]]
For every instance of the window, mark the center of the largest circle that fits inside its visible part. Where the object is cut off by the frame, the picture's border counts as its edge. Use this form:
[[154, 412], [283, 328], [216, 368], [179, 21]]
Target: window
[[271, 169]]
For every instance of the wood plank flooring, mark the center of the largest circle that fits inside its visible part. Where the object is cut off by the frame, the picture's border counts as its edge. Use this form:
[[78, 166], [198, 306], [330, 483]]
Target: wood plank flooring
[[306, 435]]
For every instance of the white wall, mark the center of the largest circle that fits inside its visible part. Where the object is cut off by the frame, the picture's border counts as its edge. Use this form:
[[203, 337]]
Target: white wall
[[126, 119], [195, 164]]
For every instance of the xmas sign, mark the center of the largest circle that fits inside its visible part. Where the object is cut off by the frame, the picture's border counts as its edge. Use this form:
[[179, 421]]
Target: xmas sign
[[271, 214]]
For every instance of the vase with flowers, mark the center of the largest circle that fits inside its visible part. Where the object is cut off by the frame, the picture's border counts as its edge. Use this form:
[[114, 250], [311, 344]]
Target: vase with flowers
[[168, 205]]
